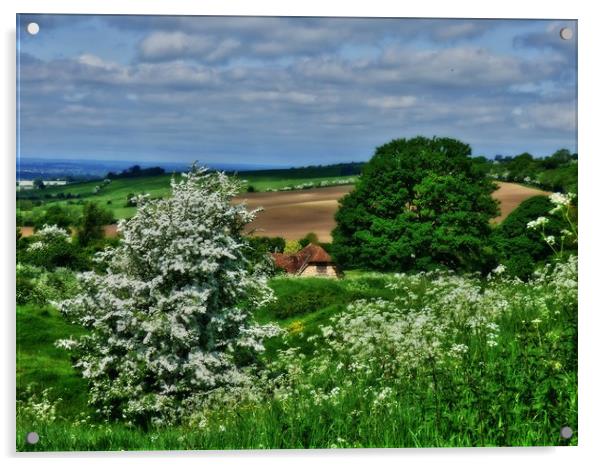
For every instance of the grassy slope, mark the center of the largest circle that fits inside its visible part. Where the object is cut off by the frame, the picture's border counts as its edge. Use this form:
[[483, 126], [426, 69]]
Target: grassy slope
[[40, 364], [271, 427]]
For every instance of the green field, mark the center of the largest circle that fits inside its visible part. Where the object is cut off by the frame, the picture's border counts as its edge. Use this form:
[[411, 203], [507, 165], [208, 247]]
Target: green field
[[519, 390], [114, 196]]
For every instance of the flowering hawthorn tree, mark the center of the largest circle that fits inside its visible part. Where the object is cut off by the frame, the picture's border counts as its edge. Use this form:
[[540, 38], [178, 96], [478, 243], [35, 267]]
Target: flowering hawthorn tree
[[170, 319]]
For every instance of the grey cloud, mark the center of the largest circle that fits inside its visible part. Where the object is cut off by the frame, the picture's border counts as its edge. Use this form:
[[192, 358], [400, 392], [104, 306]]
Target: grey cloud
[[311, 107], [276, 37]]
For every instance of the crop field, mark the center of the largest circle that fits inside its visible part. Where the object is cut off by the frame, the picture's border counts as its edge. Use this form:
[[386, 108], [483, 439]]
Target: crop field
[[114, 196], [511, 195], [290, 214]]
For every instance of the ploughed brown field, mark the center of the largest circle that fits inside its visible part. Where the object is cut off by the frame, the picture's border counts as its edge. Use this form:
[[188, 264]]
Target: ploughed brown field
[[293, 214]]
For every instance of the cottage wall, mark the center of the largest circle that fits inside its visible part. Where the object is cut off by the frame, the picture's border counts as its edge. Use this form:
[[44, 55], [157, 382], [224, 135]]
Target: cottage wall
[[313, 270]]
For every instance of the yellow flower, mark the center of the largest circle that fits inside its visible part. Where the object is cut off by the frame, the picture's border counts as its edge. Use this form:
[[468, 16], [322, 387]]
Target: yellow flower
[[296, 327]]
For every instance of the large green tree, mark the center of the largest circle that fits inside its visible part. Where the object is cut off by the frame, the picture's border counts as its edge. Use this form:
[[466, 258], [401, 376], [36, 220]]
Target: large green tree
[[419, 204]]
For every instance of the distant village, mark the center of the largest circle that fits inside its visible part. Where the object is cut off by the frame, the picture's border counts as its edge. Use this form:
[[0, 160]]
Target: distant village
[[39, 184]]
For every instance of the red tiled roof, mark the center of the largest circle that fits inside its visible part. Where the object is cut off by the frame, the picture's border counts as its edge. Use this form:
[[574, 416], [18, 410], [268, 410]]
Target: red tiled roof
[[288, 262], [314, 253], [295, 263]]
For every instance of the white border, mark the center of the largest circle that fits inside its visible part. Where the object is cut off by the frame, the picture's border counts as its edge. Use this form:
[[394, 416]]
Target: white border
[[590, 388]]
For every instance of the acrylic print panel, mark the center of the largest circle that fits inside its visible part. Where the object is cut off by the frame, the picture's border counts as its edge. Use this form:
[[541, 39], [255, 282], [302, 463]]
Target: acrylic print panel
[[411, 278]]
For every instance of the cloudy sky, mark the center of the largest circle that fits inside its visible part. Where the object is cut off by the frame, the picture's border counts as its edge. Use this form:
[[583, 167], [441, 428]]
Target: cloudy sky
[[289, 91]]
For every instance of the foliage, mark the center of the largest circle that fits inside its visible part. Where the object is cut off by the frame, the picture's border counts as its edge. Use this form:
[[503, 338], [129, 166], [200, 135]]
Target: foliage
[[312, 171], [563, 178], [170, 319], [55, 215], [557, 172], [268, 244], [37, 285], [260, 248], [420, 204], [93, 220], [292, 246], [135, 171], [520, 248], [130, 200], [50, 247], [296, 297], [310, 238]]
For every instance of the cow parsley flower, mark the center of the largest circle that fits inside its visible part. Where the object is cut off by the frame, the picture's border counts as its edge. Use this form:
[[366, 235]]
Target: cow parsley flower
[[538, 223]]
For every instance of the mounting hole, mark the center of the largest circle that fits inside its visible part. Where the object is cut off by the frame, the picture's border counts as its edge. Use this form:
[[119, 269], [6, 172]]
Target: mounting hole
[[566, 432], [566, 33], [33, 28], [32, 438]]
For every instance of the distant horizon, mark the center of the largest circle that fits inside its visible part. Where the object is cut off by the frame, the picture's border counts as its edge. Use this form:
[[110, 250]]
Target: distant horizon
[[262, 166]]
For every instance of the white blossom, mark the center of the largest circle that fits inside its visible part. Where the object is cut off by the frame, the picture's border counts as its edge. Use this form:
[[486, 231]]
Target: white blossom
[[172, 314], [538, 222]]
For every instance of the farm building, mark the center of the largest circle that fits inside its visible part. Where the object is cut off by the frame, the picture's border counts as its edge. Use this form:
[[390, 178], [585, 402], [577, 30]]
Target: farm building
[[311, 261]]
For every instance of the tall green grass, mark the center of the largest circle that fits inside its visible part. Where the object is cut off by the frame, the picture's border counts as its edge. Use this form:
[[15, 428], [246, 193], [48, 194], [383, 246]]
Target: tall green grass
[[519, 392]]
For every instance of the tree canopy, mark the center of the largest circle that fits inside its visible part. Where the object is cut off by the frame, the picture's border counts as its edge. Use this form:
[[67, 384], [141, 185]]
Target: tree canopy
[[419, 204]]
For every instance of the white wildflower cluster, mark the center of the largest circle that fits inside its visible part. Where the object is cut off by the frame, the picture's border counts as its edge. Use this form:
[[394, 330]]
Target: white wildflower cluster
[[538, 223], [561, 200], [562, 209], [170, 320], [37, 408], [370, 355], [49, 234]]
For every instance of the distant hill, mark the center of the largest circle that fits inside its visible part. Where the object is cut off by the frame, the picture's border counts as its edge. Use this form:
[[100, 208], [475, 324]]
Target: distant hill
[[311, 171], [30, 168]]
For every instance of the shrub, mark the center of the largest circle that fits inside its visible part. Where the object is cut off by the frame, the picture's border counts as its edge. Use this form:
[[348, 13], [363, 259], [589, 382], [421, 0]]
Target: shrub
[[251, 189], [519, 248], [28, 292], [56, 215], [292, 246], [310, 238], [300, 296], [25, 204], [170, 320], [560, 179], [51, 247], [130, 200], [93, 220], [39, 286]]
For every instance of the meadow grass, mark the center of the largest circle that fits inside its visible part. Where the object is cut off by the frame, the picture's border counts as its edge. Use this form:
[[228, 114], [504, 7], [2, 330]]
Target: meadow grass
[[361, 367]]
